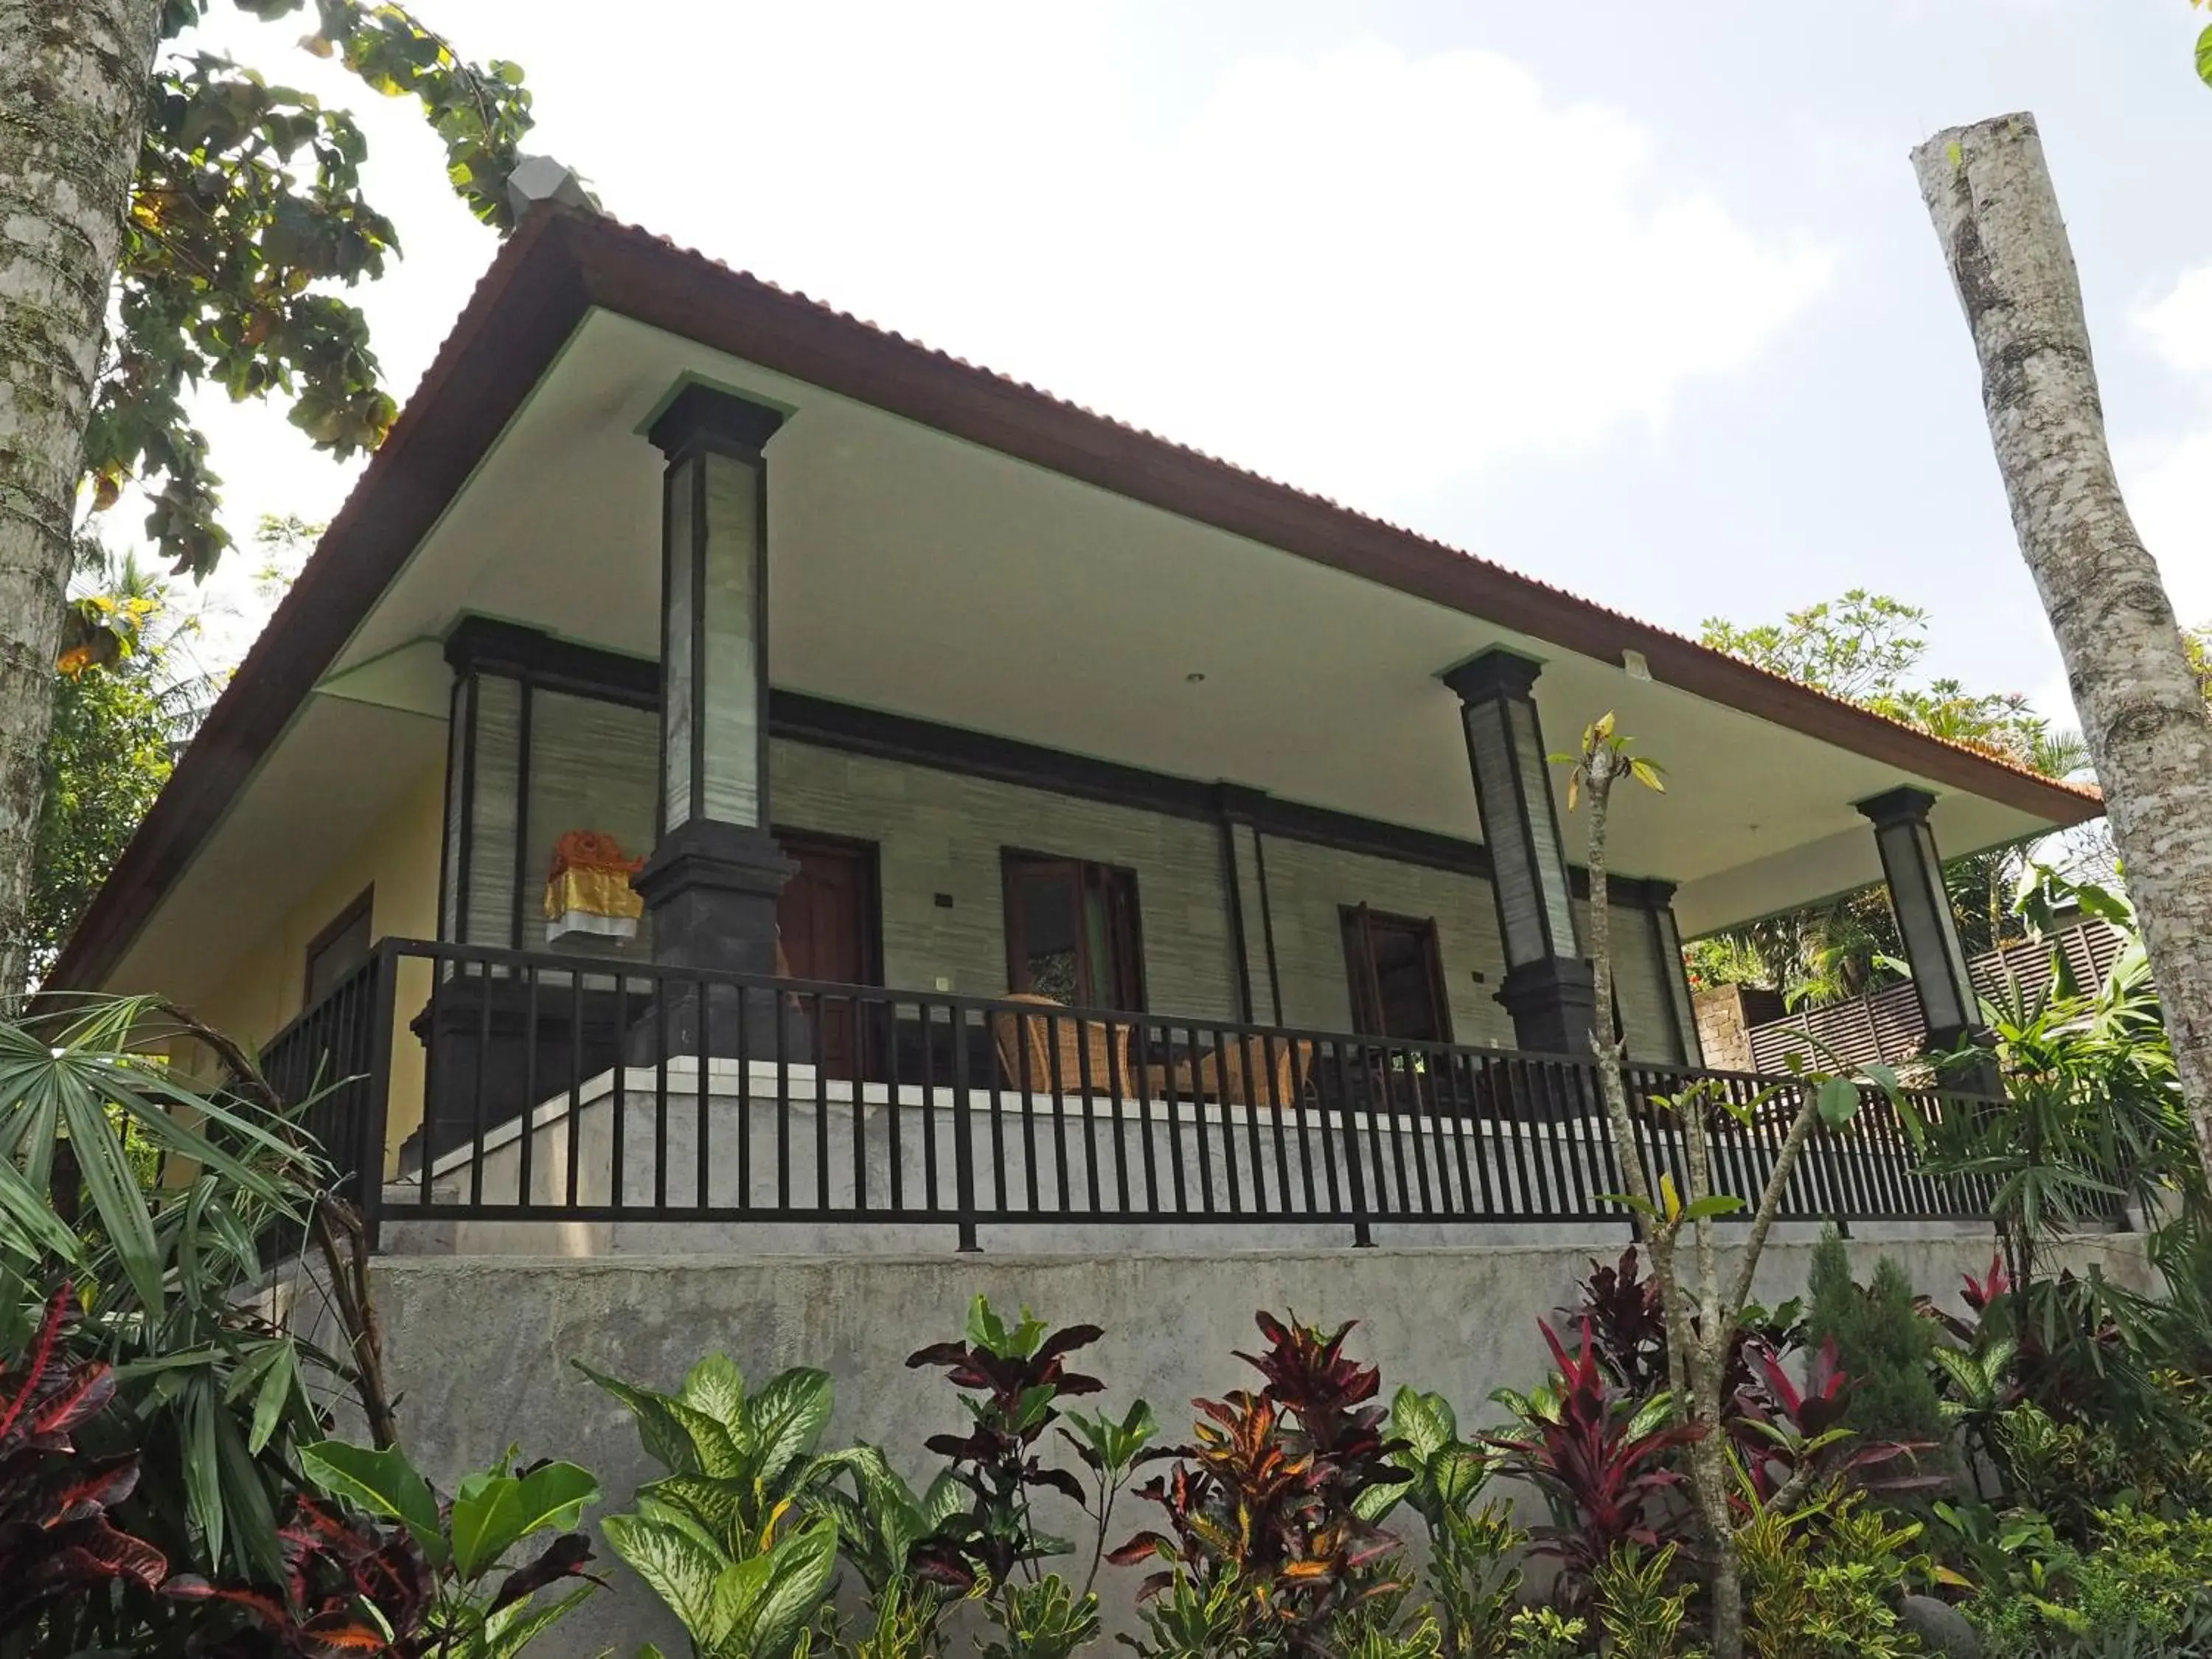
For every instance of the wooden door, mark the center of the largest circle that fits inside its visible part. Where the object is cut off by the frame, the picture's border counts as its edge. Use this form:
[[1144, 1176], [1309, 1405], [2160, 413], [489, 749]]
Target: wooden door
[[828, 925], [1396, 975]]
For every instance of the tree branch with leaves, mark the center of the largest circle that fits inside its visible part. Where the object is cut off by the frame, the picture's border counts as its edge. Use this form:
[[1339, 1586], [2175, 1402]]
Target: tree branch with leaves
[[1705, 1303], [176, 220]]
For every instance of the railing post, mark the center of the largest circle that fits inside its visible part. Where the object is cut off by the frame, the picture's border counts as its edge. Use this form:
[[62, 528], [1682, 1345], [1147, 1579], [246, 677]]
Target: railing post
[[375, 1115], [963, 1138], [1362, 1234]]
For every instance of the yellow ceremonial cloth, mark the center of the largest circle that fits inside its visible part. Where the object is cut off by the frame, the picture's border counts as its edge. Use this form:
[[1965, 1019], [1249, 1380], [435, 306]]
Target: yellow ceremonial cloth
[[594, 890]]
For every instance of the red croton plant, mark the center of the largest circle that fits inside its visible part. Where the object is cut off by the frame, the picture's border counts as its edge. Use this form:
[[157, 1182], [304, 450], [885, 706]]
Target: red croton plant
[[57, 1542], [1270, 1491]]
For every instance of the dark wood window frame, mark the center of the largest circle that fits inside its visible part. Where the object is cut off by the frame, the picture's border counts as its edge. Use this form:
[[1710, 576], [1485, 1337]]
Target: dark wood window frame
[[1125, 920], [1357, 923], [362, 911]]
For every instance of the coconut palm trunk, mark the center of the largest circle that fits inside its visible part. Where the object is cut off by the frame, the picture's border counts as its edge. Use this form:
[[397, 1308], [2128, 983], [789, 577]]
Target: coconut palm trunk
[[73, 80], [1996, 216]]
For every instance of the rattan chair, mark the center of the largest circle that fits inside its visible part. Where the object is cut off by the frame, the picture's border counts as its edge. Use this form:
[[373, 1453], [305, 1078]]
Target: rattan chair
[[1047, 1053]]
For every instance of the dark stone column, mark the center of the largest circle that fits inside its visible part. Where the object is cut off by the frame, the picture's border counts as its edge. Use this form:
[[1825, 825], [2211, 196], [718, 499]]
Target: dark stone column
[[1914, 873], [713, 879], [1673, 972], [1548, 988]]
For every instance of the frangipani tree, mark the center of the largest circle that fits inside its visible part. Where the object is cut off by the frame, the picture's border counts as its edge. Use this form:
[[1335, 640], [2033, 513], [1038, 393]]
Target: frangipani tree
[[1678, 1223]]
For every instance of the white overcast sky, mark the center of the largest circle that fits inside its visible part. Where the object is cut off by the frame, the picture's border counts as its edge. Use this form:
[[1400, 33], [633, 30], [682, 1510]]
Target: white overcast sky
[[1637, 299]]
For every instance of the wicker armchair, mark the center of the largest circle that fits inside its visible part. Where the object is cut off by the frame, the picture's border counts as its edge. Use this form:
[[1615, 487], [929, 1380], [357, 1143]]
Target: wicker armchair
[[1086, 1057]]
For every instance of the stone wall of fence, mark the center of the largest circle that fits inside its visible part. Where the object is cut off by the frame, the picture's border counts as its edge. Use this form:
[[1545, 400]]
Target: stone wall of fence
[[479, 1347]]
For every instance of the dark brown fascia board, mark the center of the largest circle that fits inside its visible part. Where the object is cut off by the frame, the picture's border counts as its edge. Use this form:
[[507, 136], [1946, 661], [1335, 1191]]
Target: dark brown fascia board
[[560, 263]]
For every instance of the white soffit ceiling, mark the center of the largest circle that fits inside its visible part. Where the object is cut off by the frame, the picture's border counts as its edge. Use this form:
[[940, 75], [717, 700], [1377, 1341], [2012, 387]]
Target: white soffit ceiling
[[916, 572]]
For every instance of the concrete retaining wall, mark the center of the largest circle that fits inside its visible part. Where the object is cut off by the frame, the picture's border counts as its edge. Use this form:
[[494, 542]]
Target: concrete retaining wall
[[480, 1348]]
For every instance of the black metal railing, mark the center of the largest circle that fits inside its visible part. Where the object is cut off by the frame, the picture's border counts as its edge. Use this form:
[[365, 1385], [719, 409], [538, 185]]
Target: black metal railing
[[334, 1060], [559, 1088]]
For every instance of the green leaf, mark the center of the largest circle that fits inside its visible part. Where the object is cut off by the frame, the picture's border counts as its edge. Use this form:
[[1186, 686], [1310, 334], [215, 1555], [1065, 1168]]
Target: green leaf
[[489, 1517], [761, 1605], [1374, 1503], [717, 1505], [716, 1387], [203, 1472], [1715, 1204], [786, 1417], [249, 1516], [250, 1371], [2204, 56], [673, 1565], [113, 1187], [1630, 1201], [519, 1624], [665, 1438], [1837, 1100], [714, 1449], [1423, 1421], [275, 1394], [382, 1482], [1457, 1473]]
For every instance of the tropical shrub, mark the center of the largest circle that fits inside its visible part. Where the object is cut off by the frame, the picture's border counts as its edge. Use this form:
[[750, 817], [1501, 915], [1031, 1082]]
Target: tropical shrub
[[1599, 1458], [880, 1518], [61, 1556], [1547, 1633], [2141, 1588], [1823, 1582], [737, 1538], [162, 1203], [1472, 1581], [1268, 1545], [1042, 1620], [1623, 1316], [410, 1575], [1016, 1381], [1881, 1341], [1793, 1443], [1639, 1609]]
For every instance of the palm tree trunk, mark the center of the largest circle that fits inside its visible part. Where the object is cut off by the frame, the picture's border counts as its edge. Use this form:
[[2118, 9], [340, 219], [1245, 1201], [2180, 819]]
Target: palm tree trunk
[[73, 79], [1989, 194]]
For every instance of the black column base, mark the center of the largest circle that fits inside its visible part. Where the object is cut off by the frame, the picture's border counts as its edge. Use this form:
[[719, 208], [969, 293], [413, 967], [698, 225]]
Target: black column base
[[711, 890], [491, 1051], [1964, 1059], [1554, 1003]]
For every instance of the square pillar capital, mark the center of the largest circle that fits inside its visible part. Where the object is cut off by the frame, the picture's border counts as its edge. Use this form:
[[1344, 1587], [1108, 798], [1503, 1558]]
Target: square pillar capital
[[1487, 676], [701, 416], [1903, 804]]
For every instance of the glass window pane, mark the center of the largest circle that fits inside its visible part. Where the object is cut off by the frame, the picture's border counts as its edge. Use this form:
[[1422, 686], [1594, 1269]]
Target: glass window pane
[[1049, 964]]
